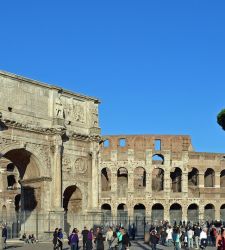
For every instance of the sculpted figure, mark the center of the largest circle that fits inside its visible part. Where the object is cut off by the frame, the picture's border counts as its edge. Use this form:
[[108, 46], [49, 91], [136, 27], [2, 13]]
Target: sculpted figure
[[58, 107]]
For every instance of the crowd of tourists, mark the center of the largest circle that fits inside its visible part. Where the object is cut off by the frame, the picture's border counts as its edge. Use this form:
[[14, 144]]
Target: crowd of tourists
[[182, 235], [116, 239], [188, 235]]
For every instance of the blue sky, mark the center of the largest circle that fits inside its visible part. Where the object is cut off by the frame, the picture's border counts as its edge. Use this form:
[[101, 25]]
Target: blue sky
[[158, 67]]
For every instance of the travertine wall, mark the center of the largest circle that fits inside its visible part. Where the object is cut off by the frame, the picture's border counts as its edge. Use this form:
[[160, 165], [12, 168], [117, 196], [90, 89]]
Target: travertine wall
[[175, 159]]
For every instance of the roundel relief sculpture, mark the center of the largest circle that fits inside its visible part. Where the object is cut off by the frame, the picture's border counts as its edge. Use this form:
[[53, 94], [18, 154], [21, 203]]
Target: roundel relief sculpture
[[80, 165]]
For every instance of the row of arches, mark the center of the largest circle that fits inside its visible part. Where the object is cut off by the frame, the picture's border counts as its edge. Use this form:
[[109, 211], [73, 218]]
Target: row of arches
[[158, 178], [175, 212]]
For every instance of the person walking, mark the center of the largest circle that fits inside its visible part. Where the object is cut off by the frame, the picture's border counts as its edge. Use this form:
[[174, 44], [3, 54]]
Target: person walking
[[4, 235], [55, 239], [60, 239], [74, 240]]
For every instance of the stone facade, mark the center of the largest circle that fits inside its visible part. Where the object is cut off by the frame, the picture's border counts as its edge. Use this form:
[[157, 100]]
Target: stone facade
[[55, 165], [162, 177], [49, 144]]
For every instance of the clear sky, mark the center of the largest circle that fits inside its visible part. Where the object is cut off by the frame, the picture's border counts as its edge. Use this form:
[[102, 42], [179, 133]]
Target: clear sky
[[158, 66]]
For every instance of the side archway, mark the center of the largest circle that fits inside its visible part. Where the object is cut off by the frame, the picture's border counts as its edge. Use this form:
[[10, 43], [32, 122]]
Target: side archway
[[157, 213], [209, 212], [106, 179], [193, 213], [222, 212], [209, 178], [176, 180], [158, 179], [139, 178], [72, 200], [175, 213]]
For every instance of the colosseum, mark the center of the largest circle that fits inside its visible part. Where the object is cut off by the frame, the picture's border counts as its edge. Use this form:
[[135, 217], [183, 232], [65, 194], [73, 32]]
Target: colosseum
[[56, 169]]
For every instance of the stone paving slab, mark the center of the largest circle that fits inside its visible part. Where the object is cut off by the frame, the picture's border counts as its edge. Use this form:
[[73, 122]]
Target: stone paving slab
[[136, 245]]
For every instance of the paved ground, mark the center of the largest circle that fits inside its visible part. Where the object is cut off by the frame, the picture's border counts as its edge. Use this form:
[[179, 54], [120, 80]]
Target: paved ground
[[136, 245]]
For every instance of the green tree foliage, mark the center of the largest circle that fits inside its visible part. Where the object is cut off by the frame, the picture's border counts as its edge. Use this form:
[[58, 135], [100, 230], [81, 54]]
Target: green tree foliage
[[221, 118]]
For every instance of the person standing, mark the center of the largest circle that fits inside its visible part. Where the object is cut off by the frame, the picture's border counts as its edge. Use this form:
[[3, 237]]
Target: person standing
[[203, 238], [190, 234], [4, 236], [99, 241], [74, 240], [154, 239], [85, 237], [89, 245], [109, 236], [197, 232]]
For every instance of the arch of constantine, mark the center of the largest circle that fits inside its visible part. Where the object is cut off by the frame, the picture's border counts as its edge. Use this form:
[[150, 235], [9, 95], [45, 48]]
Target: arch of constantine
[[57, 170]]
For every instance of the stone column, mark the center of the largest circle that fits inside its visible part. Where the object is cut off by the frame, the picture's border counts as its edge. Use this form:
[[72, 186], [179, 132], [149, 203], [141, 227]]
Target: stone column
[[217, 213], [130, 181], [57, 176], [201, 213], [167, 186], [201, 180], [184, 213], [185, 184], [217, 180], [94, 180]]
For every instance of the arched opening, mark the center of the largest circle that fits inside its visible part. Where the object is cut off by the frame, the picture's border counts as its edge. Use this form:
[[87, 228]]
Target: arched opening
[[222, 212], [193, 178], [139, 219], [157, 179], [209, 177], [72, 200], [11, 181], [122, 215], [122, 182], [176, 180], [24, 166], [209, 212], [175, 213], [17, 202], [10, 167], [193, 213], [106, 179], [222, 178], [106, 213], [157, 213], [139, 210], [157, 159], [139, 178]]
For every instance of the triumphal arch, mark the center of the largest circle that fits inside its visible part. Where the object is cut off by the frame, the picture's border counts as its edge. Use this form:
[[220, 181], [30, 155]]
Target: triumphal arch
[[56, 170], [49, 146]]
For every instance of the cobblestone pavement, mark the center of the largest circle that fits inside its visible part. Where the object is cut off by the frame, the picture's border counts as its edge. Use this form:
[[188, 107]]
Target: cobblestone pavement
[[136, 245]]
